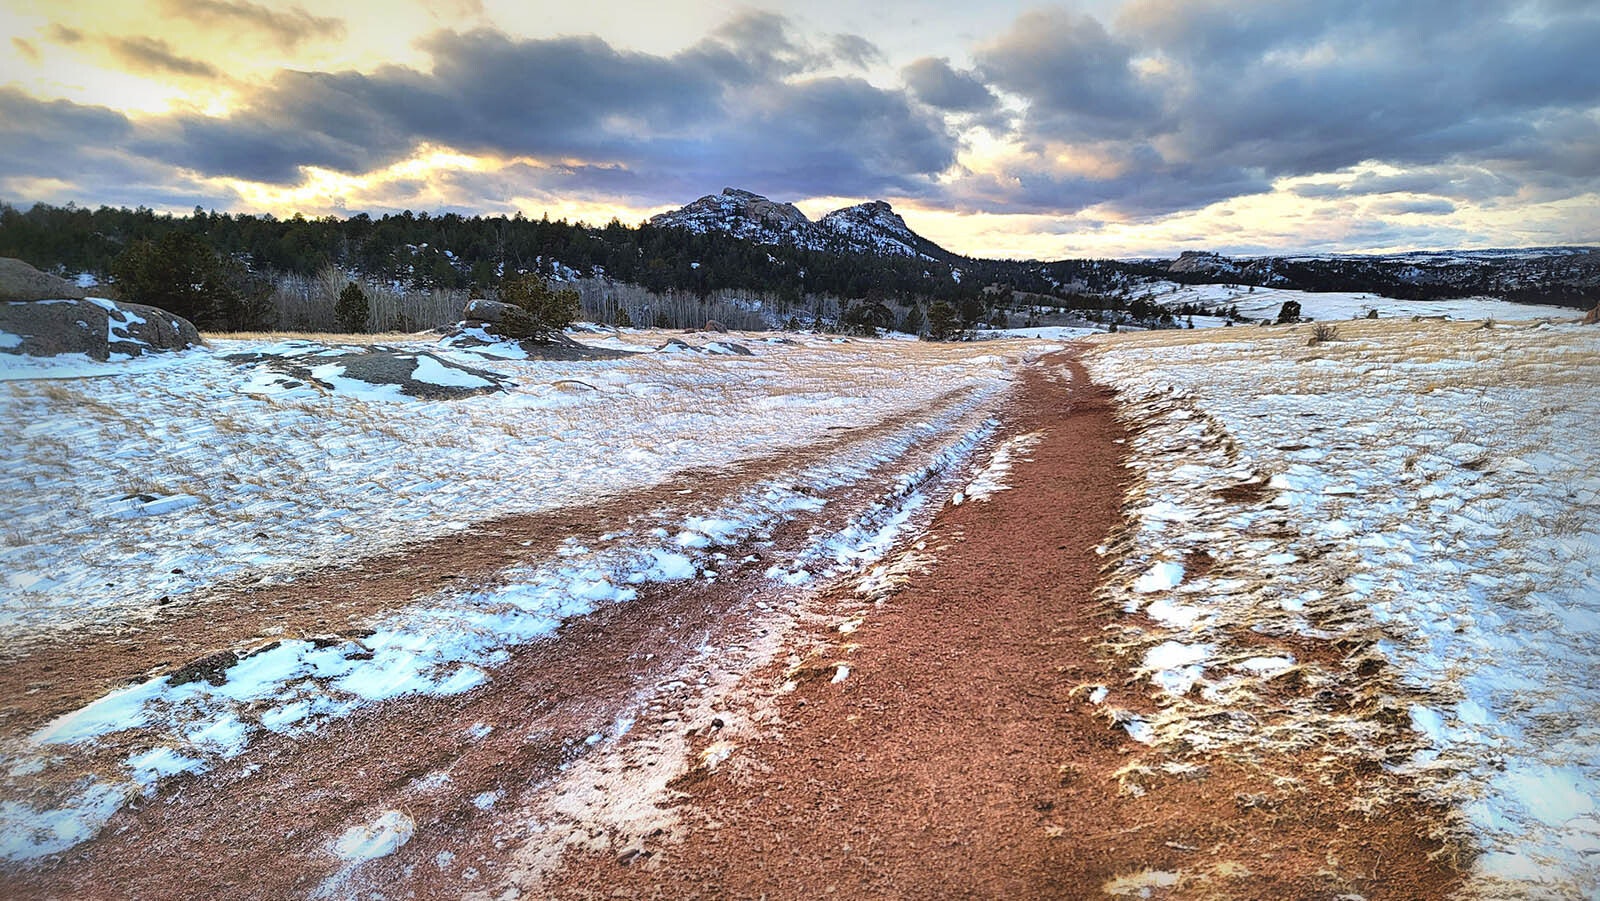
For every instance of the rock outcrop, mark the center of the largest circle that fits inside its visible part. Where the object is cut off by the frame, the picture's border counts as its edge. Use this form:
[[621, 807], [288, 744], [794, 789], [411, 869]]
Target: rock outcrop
[[19, 281], [102, 329], [872, 227]]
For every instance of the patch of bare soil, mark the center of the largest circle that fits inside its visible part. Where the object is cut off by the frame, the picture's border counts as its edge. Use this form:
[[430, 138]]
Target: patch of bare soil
[[959, 759]]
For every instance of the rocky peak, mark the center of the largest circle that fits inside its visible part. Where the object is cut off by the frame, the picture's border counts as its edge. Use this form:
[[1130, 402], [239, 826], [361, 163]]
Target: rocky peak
[[872, 227], [745, 214]]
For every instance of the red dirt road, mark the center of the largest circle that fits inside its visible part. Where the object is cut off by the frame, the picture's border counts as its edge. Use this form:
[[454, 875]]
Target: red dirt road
[[956, 760]]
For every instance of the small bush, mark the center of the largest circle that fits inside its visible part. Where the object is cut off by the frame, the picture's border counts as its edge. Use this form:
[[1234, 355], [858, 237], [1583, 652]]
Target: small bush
[[1323, 331], [1289, 312]]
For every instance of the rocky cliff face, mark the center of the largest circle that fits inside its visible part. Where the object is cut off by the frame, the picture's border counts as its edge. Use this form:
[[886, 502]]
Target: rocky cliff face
[[877, 227], [746, 215]]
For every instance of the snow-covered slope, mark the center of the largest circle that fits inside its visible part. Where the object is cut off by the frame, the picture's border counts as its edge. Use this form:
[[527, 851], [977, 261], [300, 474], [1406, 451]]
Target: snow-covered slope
[[877, 228], [746, 215], [1324, 306]]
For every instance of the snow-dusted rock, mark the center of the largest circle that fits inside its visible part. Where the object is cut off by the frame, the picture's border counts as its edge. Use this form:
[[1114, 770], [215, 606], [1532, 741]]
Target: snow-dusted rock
[[378, 372], [745, 215], [93, 326], [876, 228], [480, 310], [19, 281]]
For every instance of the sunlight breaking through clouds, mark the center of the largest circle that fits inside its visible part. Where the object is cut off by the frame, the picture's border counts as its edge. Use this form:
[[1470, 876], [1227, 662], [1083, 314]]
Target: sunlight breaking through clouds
[[1132, 128]]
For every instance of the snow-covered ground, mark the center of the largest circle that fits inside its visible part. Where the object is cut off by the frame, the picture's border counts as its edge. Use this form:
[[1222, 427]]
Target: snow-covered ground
[[248, 474], [164, 473], [1264, 303], [1428, 495], [1048, 333]]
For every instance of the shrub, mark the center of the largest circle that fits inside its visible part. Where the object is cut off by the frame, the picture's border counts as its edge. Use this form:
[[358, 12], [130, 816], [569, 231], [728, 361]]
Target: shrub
[[539, 312], [662, 321], [623, 319], [1323, 331], [1289, 312], [352, 308]]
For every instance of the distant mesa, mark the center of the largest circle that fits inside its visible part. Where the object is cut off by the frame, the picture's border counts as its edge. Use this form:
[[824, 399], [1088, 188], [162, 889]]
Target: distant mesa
[[872, 228], [1202, 261]]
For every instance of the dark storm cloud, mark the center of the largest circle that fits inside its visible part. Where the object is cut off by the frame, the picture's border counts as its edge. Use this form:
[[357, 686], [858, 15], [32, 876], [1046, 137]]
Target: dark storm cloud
[[728, 110], [937, 84], [1149, 187], [41, 138], [142, 54], [287, 29], [1215, 88], [1169, 105], [60, 151], [1078, 78]]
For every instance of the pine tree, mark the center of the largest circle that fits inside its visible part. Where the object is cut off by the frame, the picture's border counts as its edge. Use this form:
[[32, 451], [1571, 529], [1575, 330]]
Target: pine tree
[[911, 324], [352, 309], [538, 312], [941, 321]]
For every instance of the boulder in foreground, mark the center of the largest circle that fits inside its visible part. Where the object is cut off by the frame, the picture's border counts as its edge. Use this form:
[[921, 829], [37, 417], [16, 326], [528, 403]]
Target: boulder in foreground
[[102, 329]]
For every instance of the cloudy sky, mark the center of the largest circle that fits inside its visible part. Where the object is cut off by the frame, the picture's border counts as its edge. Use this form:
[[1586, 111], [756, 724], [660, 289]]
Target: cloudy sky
[[1000, 129]]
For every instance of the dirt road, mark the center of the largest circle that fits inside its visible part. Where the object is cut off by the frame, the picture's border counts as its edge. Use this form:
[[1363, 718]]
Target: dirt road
[[926, 735]]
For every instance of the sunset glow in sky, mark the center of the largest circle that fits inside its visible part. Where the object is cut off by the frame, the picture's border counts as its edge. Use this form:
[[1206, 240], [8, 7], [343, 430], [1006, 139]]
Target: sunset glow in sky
[[1137, 128]]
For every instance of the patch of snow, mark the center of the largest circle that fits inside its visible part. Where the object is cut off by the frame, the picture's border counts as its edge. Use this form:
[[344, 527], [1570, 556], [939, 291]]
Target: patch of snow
[[1424, 484], [430, 370], [1162, 576]]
